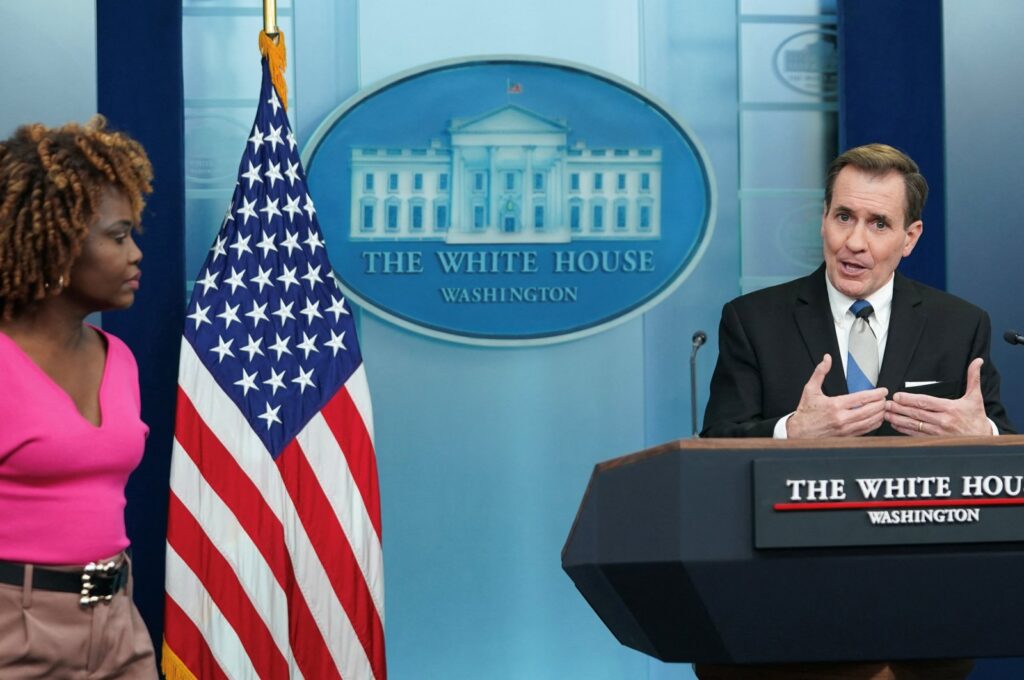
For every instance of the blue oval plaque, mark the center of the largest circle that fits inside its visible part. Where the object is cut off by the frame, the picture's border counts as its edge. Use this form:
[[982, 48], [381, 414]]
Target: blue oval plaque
[[508, 201]]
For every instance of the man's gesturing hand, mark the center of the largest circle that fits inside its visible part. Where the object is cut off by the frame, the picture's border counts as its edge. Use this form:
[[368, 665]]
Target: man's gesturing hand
[[847, 415], [923, 414]]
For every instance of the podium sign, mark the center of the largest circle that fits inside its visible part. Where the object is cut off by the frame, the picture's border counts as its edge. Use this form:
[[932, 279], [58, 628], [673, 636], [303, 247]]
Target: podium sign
[[850, 499], [671, 549]]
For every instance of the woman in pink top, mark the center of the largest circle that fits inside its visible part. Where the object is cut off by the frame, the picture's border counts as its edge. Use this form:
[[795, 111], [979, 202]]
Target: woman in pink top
[[70, 431]]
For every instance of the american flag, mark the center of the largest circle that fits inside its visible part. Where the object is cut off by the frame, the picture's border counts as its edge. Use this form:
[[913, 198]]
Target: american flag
[[274, 564]]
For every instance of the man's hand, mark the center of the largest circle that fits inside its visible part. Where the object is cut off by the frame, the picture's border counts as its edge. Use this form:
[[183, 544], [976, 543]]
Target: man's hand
[[848, 415], [922, 414]]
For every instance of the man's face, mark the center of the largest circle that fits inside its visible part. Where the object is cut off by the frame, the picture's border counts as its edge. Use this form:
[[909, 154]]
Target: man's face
[[863, 232]]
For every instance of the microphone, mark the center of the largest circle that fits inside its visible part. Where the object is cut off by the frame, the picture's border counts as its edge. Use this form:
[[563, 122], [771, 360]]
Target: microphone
[[698, 339], [1012, 337]]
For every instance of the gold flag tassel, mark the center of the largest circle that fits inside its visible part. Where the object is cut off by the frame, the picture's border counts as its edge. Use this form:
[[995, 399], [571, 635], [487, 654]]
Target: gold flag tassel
[[173, 667], [273, 50]]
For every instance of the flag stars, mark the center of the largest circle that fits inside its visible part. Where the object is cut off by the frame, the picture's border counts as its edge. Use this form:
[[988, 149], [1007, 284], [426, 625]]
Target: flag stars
[[274, 138], [218, 248], [280, 346], [337, 308], [209, 281], [284, 312], [241, 245], [270, 415], [292, 171], [313, 241], [274, 102], [252, 175], [253, 348], [247, 209], [288, 279], [311, 311], [292, 207], [276, 381], [263, 278], [271, 209], [223, 348], [235, 280], [258, 313], [257, 138], [230, 314], [312, 275], [267, 244], [336, 342], [274, 173], [304, 380], [291, 242], [308, 344], [247, 382], [199, 316], [264, 260]]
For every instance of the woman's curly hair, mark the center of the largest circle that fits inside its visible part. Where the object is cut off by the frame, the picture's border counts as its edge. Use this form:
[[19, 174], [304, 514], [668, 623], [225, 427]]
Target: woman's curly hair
[[51, 182]]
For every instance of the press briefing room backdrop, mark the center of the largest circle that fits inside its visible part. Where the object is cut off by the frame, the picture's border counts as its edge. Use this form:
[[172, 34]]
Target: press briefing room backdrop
[[484, 447]]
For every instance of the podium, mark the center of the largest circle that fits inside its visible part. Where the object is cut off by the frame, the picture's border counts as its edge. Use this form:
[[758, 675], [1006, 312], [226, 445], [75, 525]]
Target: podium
[[665, 550]]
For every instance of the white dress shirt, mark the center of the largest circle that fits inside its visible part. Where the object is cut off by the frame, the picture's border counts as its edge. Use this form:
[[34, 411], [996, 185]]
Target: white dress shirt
[[843, 318]]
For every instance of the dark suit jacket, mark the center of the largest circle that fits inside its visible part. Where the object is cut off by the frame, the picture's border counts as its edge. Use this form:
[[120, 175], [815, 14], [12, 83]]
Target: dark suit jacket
[[769, 342]]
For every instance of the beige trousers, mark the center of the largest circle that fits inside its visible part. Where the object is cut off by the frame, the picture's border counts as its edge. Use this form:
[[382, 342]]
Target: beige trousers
[[45, 634]]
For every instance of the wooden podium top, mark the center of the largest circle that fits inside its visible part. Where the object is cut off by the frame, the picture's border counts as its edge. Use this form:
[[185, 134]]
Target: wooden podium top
[[767, 444]]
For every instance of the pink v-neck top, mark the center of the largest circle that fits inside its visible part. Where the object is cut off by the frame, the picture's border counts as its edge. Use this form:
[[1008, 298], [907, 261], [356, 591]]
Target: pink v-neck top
[[62, 478]]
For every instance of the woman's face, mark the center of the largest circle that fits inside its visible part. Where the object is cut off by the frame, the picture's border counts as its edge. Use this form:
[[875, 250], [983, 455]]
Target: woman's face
[[106, 273]]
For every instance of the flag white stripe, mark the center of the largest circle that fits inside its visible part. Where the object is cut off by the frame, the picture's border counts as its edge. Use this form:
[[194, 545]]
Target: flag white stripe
[[331, 469], [221, 526], [228, 424], [359, 391], [185, 588]]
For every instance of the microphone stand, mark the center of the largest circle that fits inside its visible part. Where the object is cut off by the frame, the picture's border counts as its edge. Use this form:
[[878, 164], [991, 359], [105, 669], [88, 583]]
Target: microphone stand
[[699, 338]]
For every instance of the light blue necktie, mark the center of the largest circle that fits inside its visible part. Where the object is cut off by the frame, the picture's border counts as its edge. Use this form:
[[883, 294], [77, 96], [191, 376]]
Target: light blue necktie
[[862, 355]]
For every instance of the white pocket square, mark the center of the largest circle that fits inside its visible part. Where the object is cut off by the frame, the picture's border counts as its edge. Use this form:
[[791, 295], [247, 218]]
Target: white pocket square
[[919, 383]]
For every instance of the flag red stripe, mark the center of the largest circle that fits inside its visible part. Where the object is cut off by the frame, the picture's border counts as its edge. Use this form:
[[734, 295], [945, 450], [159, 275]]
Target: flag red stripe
[[332, 547], [347, 426], [191, 543], [223, 474], [229, 481], [185, 640]]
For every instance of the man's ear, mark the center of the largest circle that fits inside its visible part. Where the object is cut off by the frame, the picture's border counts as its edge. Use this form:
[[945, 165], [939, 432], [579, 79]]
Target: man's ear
[[912, 235]]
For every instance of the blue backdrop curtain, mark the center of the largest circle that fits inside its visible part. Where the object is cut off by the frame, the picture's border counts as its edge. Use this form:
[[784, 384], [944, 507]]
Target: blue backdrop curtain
[[891, 80], [139, 90]]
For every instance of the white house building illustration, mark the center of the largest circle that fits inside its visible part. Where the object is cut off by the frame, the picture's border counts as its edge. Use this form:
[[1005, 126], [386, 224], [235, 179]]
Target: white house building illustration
[[506, 176]]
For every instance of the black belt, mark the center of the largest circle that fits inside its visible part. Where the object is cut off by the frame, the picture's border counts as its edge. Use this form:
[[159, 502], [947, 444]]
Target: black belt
[[96, 582]]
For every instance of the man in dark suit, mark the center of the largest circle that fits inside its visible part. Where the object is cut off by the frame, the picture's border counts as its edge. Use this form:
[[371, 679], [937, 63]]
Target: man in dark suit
[[784, 350], [855, 349]]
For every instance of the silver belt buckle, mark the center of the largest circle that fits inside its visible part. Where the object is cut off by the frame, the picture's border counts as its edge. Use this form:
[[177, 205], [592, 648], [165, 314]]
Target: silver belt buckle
[[91, 574]]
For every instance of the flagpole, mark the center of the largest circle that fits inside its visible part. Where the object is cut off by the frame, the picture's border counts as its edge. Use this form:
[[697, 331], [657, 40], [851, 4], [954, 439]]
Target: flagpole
[[270, 18]]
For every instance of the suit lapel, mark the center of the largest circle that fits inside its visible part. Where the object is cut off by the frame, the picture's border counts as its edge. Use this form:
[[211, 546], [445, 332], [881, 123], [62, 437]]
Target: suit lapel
[[906, 323], [814, 319]]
